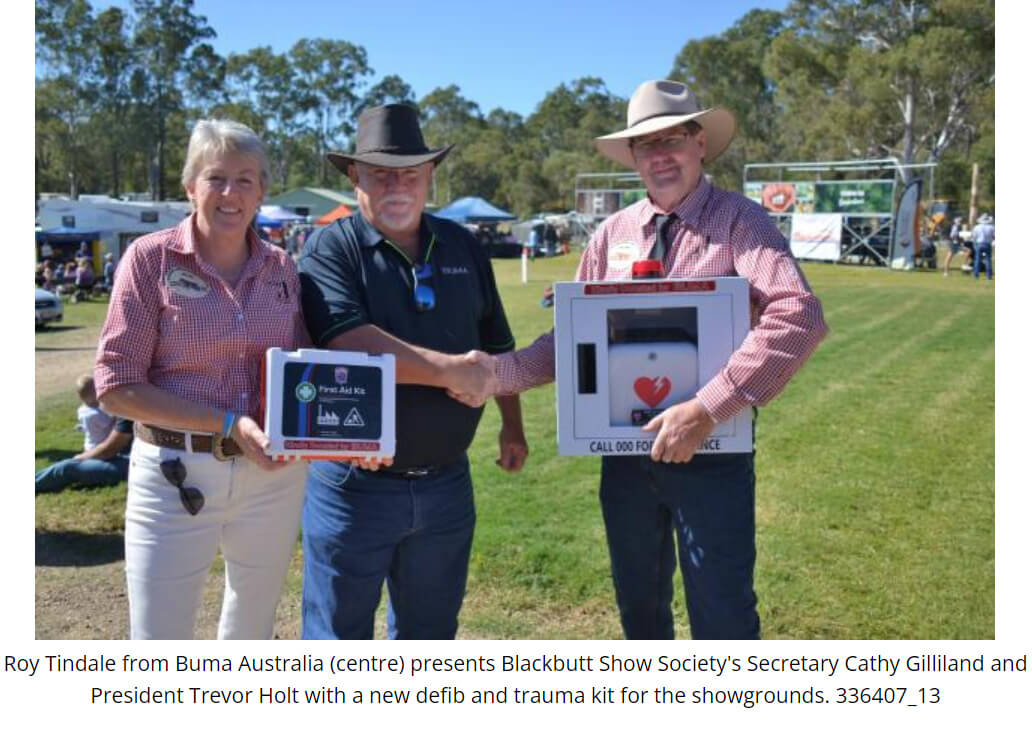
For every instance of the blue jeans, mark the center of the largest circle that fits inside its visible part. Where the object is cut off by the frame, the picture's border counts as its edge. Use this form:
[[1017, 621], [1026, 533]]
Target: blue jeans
[[983, 254], [361, 528], [708, 504], [89, 472]]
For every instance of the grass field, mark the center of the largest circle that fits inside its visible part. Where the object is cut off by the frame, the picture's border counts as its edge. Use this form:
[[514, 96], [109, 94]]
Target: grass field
[[875, 483]]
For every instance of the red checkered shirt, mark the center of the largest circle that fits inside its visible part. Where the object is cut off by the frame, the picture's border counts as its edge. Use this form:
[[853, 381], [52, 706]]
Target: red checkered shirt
[[717, 233], [174, 323]]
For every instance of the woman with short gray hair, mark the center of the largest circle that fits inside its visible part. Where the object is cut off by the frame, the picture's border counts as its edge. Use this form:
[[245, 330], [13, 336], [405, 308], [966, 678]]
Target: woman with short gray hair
[[192, 312]]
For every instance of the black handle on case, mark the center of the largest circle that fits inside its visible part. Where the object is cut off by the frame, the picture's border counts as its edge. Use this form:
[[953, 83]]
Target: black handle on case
[[587, 380]]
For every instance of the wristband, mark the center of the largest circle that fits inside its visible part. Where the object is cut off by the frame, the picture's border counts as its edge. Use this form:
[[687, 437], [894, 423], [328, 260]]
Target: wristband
[[228, 421]]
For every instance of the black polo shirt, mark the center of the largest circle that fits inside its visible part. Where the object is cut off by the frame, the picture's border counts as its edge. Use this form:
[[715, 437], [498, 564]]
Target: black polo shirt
[[351, 275]]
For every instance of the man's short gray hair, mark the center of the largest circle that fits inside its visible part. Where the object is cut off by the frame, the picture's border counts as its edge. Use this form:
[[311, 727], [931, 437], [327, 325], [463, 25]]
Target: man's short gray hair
[[219, 137]]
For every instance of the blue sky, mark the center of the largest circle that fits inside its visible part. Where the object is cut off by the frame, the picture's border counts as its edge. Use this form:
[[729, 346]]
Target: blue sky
[[505, 55]]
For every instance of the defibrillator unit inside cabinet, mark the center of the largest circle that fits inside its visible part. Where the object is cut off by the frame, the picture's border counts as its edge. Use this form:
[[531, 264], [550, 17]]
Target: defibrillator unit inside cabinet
[[626, 351], [328, 404]]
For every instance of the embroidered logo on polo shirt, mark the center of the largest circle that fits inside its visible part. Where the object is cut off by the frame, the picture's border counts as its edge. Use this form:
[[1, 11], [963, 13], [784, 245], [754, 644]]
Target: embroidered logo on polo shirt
[[622, 255], [454, 270], [186, 283]]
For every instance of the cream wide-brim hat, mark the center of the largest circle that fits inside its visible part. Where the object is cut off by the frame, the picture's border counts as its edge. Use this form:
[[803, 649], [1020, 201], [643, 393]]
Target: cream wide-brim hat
[[658, 105]]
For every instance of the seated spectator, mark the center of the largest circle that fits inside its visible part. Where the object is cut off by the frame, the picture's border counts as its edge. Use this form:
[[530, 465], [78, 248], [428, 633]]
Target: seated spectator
[[66, 278], [83, 278], [49, 276], [104, 460]]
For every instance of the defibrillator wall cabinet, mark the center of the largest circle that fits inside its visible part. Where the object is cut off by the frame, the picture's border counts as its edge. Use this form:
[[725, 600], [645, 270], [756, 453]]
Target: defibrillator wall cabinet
[[628, 350]]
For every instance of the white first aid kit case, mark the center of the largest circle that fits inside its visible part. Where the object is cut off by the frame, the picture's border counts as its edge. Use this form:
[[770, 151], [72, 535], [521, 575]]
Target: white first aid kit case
[[328, 404]]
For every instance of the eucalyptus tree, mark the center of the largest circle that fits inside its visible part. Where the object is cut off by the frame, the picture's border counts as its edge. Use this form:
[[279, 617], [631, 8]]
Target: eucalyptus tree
[[265, 84], [65, 90], [328, 74], [727, 70], [449, 118], [898, 78], [167, 42]]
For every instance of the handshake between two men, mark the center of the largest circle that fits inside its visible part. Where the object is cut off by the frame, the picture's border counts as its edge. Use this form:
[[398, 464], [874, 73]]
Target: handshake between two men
[[471, 380]]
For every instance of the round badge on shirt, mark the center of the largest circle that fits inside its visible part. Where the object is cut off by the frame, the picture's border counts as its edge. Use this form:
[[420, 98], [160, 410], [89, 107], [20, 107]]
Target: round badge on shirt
[[622, 255], [186, 283]]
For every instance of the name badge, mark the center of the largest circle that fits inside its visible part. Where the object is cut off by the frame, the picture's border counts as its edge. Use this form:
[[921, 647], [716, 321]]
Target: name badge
[[186, 283]]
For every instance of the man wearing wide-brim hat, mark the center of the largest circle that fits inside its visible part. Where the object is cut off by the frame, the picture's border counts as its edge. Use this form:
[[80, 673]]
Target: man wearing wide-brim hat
[[706, 500], [391, 279], [983, 236]]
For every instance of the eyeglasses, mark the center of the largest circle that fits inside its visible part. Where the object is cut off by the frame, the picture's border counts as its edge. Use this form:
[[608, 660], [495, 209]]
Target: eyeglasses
[[175, 473], [670, 143], [422, 275]]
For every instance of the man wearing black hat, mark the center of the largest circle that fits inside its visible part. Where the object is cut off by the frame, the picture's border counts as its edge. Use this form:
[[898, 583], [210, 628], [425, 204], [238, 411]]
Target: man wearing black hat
[[392, 279]]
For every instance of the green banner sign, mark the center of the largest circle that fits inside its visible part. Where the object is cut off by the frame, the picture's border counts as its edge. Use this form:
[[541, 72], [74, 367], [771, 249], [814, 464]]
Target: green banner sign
[[873, 196]]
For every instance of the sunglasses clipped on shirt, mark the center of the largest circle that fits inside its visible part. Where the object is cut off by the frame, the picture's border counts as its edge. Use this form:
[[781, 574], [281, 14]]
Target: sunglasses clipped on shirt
[[175, 473], [423, 292]]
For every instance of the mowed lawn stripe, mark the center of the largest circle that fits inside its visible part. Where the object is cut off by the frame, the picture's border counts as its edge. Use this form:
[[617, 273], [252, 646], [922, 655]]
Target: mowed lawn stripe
[[874, 495], [874, 479]]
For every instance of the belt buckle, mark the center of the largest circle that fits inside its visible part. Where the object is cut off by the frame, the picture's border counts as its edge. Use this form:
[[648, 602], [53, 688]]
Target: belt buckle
[[218, 449], [421, 472]]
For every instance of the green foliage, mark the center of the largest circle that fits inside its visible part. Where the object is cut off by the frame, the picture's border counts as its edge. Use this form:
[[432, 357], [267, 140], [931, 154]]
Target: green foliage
[[829, 79], [727, 70]]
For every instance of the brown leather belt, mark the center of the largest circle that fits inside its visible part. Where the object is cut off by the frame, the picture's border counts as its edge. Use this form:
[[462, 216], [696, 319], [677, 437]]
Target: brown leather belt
[[222, 449]]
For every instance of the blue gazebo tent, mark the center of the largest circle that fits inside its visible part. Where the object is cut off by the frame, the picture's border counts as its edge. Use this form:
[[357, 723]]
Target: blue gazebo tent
[[473, 210], [62, 244], [273, 216]]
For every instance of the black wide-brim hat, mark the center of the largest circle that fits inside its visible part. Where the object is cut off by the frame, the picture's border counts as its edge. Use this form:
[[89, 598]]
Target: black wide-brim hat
[[389, 136]]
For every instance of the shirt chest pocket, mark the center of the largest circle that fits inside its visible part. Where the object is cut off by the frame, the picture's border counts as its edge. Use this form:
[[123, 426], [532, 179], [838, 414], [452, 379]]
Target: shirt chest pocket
[[271, 314], [186, 317]]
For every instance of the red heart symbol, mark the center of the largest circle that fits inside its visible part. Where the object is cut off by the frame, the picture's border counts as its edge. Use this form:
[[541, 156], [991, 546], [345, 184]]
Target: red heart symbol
[[652, 390]]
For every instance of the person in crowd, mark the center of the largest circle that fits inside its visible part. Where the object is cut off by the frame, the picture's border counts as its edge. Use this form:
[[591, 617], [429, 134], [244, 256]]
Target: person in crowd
[[705, 500], [193, 310], [969, 248], [104, 459], [534, 241], [954, 244], [83, 278], [109, 271], [983, 236], [49, 276], [67, 284], [391, 279]]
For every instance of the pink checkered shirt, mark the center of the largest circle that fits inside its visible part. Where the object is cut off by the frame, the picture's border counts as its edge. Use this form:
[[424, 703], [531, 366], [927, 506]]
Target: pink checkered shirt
[[174, 323], [717, 233]]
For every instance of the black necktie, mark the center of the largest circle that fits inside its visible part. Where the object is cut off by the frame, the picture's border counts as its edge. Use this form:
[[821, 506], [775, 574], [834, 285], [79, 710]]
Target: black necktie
[[662, 244]]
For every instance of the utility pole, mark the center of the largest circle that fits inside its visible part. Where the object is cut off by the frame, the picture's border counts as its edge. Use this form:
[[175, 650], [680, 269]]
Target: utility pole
[[973, 210]]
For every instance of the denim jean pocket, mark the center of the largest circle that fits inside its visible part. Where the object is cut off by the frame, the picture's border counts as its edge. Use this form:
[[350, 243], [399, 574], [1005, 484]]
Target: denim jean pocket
[[332, 474]]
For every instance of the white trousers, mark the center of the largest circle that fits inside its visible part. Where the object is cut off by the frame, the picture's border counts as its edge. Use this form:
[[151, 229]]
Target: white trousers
[[253, 515]]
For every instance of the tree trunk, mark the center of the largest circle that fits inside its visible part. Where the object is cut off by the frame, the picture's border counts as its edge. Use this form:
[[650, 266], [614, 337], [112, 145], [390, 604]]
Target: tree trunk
[[161, 158], [116, 183], [973, 209], [908, 131]]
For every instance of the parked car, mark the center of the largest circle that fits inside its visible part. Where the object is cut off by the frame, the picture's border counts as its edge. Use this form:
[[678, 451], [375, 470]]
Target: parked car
[[505, 246], [48, 308], [497, 244]]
